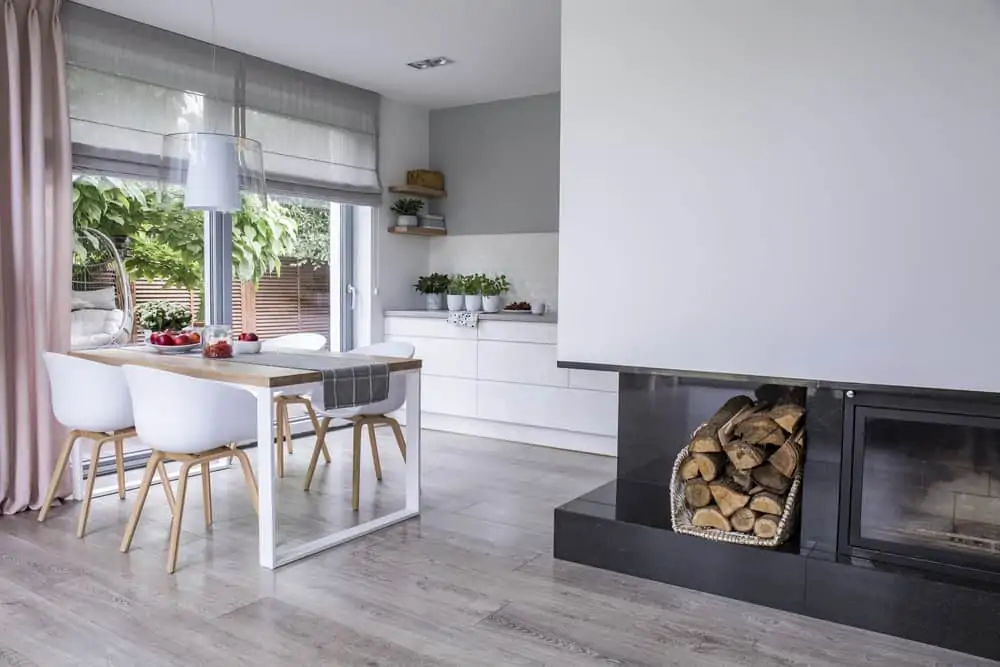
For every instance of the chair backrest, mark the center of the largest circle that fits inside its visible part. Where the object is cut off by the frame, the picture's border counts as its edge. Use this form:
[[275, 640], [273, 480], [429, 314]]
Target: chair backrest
[[313, 342], [180, 414], [397, 386], [88, 395]]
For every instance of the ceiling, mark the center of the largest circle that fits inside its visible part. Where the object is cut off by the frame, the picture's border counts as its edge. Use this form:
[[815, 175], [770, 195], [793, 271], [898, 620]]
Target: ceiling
[[501, 48]]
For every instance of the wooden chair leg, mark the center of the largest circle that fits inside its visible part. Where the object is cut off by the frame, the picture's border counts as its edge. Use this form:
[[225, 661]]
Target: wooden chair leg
[[248, 474], [155, 462], [120, 466], [206, 492], [319, 428], [374, 446], [58, 473], [314, 459], [398, 432], [81, 527], [168, 489], [175, 525], [288, 429], [356, 478], [280, 436]]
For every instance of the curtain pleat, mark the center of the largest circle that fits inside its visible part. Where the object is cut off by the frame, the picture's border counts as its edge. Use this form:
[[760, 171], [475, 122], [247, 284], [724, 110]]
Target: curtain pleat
[[35, 244]]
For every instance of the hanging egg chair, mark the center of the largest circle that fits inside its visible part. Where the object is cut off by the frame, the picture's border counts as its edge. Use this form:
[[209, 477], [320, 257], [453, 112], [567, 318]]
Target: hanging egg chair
[[102, 308]]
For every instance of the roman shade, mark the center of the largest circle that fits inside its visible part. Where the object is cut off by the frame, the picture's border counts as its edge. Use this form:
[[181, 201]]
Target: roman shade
[[130, 84]]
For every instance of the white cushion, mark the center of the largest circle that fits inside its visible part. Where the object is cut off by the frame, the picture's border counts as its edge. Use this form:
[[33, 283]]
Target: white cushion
[[99, 299], [94, 328]]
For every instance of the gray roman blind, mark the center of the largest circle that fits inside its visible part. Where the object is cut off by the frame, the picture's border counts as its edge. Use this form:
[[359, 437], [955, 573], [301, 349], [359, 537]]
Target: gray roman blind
[[130, 84]]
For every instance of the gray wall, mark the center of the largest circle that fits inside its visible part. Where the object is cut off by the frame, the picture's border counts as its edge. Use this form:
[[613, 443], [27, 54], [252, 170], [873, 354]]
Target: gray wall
[[501, 165]]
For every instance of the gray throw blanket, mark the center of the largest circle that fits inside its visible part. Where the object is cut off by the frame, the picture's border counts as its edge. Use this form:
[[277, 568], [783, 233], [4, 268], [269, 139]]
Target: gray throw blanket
[[347, 381]]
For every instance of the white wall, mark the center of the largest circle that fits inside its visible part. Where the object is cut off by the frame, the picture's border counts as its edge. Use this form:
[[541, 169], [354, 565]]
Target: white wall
[[787, 188], [397, 260], [530, 261]]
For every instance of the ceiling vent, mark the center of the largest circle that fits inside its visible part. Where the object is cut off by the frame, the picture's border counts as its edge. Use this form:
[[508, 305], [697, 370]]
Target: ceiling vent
[[430, 63]]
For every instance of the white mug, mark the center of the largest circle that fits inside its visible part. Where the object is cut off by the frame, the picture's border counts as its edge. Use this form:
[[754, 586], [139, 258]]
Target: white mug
[[537, 308]]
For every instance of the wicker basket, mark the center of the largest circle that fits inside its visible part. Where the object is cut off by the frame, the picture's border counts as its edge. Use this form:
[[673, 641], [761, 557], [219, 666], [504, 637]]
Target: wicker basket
[[680, 514]]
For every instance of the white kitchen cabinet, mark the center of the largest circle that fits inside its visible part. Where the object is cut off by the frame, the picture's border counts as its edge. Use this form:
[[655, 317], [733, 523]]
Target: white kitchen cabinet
[[501, 380]]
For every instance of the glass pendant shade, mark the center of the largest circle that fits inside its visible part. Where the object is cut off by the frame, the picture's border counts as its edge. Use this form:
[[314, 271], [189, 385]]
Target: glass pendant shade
[[211, 172]]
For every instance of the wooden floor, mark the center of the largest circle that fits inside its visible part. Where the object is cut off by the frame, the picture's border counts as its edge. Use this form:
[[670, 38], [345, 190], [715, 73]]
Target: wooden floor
[[472, 582]]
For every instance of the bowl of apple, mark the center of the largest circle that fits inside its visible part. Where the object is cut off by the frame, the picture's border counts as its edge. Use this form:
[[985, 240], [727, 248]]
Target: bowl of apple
[[246, 343], [171, 342]]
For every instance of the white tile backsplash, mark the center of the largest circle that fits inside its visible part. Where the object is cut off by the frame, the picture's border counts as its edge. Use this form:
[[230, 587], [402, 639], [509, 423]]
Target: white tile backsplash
[[530, 261]]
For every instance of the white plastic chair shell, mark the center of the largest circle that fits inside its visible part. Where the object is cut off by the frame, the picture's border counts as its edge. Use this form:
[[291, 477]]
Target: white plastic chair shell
[[87, 395], [179, 414], [397, 387]]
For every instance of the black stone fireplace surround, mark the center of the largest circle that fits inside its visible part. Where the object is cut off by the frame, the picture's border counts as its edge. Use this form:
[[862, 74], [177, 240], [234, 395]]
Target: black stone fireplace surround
[[625, 526]]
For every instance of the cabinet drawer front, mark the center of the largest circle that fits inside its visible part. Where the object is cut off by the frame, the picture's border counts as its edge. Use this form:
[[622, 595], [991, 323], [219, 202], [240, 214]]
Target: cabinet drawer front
[[426, 327], [550, 407], [520, 332], [594, 380], [448, 396], [527, 363], [444, 356]]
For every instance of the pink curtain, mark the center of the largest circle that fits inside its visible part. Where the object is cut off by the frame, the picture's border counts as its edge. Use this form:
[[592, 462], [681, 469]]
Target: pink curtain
[[35, 244]]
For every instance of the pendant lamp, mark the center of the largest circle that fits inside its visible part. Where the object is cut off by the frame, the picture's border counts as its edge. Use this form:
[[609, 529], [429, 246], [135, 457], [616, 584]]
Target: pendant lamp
[[211, 171]]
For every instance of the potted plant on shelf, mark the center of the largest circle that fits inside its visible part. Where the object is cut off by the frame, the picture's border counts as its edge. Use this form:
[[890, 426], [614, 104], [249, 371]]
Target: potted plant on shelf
[[406, 211], [456, 293], [493, 290], [474, 292], [433, 287]]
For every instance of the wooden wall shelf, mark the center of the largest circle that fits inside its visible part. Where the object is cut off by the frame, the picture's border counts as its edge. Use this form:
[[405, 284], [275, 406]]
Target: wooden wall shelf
[[418, 231], [418, 191]]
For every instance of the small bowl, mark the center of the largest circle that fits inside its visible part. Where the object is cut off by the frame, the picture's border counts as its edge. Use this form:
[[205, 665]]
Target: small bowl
[[246, 346]]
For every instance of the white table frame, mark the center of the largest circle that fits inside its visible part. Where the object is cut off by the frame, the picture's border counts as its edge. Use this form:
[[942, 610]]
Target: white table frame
[[273, 557]]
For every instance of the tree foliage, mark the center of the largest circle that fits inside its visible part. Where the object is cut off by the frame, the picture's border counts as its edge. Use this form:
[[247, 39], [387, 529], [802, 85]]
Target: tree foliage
[[162, 240]]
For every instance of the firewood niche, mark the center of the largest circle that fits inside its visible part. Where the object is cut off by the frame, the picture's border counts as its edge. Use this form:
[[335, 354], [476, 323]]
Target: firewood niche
[[738, 469]]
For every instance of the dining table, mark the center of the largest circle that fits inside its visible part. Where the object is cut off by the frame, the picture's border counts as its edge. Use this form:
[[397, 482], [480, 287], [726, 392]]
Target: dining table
[[265, 382]]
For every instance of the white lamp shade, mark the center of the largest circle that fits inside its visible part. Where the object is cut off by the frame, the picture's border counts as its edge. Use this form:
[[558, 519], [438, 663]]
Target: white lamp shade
[[213, 170]]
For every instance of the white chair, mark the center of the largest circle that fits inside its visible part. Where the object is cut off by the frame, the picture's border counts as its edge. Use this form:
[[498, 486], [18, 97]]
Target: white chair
[[92, 400], [371, 416], [193, 421], [309, 342]]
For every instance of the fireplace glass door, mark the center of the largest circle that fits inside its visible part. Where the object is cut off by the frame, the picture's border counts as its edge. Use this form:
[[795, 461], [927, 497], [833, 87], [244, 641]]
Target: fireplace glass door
[[926, 485]]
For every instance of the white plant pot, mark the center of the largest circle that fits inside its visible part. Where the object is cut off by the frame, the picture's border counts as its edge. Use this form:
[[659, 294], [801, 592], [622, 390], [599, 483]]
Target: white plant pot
[[473, 302], [435, 301], [456, 302], [406, 220], [492, 304]]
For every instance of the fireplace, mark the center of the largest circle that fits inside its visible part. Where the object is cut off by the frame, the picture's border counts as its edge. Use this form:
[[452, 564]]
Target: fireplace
[[897, 525], [924, 478]]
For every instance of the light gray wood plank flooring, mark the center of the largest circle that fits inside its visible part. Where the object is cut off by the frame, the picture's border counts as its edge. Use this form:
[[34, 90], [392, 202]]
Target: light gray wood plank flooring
[[472, 582]]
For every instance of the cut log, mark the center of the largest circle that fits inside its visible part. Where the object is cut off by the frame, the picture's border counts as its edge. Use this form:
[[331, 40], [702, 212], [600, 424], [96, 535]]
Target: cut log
[[766, 526], [706, 437], [728, 497], [744, 455], [787, 458], [743, 519], [756, 489], [771, 479], [740, 478], [711, 517], [697, 493], [760, 429], [800, 438], [767, 503], [787, 416], [772, 394], [709, 465], [689, 468]]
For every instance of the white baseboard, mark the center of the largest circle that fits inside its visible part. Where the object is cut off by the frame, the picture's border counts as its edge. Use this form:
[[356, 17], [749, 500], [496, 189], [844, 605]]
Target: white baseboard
[[533, 435]]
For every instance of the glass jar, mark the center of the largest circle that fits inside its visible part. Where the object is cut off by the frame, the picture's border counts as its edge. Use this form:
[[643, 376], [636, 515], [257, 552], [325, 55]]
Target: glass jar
[[216, 341]]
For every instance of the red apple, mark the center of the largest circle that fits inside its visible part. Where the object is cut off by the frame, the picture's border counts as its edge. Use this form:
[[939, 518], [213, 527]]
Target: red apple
[[165, 339], [251, 337], [181, 339]]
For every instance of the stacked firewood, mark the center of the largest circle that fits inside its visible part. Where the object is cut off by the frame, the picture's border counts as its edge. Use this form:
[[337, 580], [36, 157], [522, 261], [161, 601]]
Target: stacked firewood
[[741, 462]]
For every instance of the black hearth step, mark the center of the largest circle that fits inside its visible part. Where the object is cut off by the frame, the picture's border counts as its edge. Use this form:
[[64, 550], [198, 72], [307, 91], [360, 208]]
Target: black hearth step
[[610, 529]]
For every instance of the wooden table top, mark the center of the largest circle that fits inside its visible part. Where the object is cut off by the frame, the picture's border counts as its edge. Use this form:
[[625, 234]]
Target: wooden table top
[[230, 370]]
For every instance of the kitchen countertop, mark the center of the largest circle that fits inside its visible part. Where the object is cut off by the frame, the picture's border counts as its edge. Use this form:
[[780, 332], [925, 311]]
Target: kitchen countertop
[[547, 318]]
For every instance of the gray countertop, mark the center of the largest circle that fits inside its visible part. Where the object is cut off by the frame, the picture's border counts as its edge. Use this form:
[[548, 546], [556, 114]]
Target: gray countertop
[[547, 318]]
